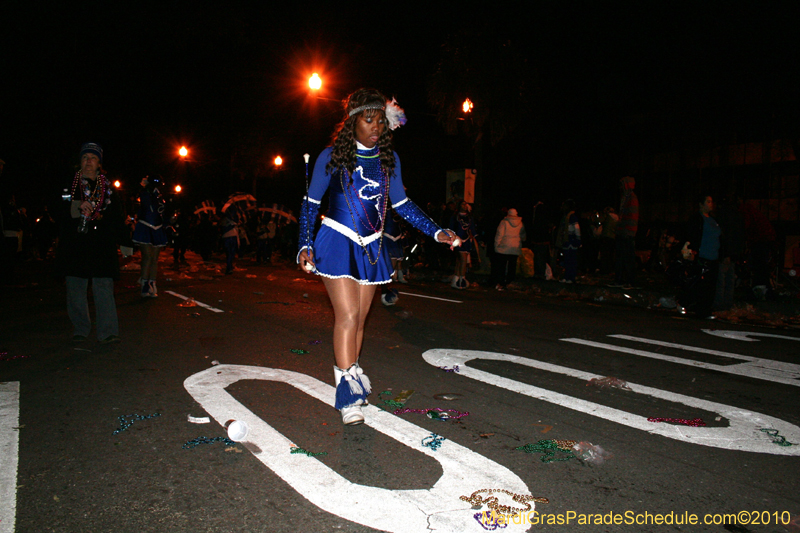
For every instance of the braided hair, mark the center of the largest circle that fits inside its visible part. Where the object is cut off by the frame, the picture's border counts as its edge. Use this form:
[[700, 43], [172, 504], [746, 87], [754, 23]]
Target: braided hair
[[343, 156]]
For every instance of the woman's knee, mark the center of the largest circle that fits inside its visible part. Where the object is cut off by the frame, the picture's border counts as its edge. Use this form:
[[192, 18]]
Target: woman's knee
[[348, 318]]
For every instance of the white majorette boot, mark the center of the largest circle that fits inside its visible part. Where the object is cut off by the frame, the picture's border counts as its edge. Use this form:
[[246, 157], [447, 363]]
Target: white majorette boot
[[352, 388]]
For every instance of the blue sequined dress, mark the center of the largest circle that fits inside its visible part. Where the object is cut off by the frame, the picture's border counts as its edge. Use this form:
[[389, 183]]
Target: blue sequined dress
[[150, 226], [392, 237], [349, 243]]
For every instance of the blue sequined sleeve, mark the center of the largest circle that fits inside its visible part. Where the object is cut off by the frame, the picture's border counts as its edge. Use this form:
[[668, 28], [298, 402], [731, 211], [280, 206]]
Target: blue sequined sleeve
[[408, 209], [308, 215], [320, 181], [417, 217]]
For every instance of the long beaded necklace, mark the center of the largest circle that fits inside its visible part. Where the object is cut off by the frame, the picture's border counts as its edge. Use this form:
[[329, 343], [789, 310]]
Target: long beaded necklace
[[435, 413], [695, 422], [100, 197], [464, 222], [124, 423], [353, 218], [549, 448], [493, 503], [778, 439], [384, 193]]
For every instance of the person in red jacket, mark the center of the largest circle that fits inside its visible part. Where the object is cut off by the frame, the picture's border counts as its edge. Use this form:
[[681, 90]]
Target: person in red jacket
[[625, 253]]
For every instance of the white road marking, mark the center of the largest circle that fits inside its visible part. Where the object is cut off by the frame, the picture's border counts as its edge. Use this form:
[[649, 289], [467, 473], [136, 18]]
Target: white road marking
[[743, 434], [200, 304], [438, 508], [766, 369], [431, 297], [745, 335], [9, 454]]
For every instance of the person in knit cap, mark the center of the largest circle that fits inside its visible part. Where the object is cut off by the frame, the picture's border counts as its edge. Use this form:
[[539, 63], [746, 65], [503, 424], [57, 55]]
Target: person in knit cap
[[87, 248], [507, 246]]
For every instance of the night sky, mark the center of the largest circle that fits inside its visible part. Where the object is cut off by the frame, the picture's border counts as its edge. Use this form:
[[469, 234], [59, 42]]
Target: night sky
[[229, 81]]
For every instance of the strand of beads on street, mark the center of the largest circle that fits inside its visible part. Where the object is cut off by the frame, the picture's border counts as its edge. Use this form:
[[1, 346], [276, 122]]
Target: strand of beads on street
[[297, 449], [436, 413], [779, 439], [5, 357], [489, 522], [549, 448], [695, 422], [453, 369], [433, 441], [299, 351], [124, 423], [389, 403], [492, 502], [207, 440]]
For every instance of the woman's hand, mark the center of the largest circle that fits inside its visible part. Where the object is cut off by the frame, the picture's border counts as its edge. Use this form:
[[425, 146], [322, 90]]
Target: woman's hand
[[86, 208], [447, 236], [306, 260]]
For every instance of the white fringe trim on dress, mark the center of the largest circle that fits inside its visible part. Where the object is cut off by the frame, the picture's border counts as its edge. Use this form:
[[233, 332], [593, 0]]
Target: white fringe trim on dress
[[359, 281]]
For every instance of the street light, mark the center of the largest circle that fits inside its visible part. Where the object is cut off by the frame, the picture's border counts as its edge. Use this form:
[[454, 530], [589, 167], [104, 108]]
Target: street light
[[278, 161], [183, 152], [467, 106], [315, 82], [178, 188], [117, 184]]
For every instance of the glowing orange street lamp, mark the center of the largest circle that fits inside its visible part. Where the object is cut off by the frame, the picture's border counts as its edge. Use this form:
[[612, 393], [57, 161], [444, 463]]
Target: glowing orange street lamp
[[178, 188], [183, 151], [117, 184], [278, 161], [315, 82], [467, 106]]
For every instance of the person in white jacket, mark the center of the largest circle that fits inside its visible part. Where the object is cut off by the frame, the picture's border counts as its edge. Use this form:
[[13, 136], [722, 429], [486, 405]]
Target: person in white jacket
[[507, 245]]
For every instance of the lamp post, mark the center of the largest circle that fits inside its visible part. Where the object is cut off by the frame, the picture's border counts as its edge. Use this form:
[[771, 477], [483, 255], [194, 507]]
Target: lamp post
[[470, 176], [270, 172], [183, 154], [466, 107], [315, 82]]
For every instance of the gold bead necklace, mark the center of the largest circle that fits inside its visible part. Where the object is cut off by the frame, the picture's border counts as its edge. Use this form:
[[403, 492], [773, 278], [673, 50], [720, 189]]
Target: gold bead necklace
[[493, 503]]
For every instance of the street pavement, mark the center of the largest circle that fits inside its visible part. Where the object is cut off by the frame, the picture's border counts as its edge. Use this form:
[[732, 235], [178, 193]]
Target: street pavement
[[525, 359]]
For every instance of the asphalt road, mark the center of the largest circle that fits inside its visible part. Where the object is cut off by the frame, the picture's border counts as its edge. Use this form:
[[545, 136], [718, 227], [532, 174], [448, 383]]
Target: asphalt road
[[75, 474]]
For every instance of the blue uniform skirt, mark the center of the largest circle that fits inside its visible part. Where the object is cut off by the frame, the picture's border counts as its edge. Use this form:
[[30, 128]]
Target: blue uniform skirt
[[143, 234], [394, 248], [337, 256]]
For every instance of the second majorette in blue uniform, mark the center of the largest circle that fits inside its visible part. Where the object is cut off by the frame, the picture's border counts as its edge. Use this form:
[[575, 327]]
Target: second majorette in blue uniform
[[351, 243]]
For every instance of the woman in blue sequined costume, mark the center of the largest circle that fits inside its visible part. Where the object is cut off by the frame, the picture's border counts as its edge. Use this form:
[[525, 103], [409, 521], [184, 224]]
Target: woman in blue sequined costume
[[361, 173], [149, 233], [464, 227]]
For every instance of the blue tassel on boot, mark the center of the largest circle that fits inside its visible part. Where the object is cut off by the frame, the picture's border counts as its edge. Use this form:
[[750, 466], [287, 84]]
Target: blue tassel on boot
[[349, 390]]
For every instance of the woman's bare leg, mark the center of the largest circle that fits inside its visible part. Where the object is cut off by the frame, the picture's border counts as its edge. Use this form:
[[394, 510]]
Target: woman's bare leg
[[153, 267], [147, 255], [366, 296], [351, 303]]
